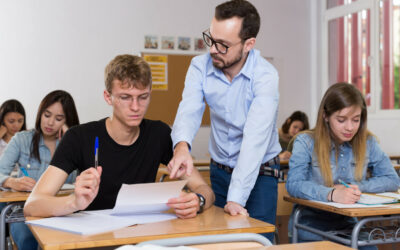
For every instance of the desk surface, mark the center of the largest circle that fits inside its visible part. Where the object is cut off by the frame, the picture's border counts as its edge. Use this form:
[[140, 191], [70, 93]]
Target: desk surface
[[319, 245], [212, 221], [352, 212], [14, 196]]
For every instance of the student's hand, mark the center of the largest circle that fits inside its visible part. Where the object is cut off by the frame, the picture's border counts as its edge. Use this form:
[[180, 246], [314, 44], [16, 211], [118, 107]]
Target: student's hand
[[24, 183], [3, 131], [285, 155], [234, 208], [186, 205], [182, 161], [62, 131], [86, 187], [346, 195]]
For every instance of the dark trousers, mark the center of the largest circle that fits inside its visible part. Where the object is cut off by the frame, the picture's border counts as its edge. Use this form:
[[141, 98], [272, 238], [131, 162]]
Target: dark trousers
[[262, 200]]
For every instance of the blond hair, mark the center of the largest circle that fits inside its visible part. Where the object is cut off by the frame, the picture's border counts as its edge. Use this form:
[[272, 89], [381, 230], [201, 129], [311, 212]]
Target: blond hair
[[132, 71], [338, 97]]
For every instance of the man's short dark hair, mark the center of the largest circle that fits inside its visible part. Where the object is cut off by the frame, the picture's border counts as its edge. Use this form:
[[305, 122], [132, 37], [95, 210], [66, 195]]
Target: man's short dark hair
[[242, 9]]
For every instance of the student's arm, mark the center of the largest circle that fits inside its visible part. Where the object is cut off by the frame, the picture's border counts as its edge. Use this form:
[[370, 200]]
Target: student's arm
[[43, 201], [187, 205], [384, 177], [8, 160], [302, 182], [188, 119]]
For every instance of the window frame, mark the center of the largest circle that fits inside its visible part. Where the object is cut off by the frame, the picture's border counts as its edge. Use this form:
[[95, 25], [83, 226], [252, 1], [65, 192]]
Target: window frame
[[333, 13]]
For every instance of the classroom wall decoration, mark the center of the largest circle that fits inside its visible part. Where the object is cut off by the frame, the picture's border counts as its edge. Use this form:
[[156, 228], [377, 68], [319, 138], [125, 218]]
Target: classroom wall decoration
[[159, 70]]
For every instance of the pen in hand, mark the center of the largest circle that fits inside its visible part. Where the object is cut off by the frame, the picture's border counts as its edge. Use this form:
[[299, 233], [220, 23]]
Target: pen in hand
[[96, 152], [23, 170], [343, 183]]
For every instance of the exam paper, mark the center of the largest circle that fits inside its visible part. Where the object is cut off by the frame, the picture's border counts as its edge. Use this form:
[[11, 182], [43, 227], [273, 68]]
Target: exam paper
[[146, 198], [136, 204], [356, 205]]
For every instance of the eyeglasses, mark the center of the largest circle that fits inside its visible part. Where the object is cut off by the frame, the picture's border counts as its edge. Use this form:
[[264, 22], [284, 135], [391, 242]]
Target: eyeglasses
[[221, 48], [127, 100]]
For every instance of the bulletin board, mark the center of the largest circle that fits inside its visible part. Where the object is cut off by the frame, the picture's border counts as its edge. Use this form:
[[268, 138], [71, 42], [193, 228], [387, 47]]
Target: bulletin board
[[164, 102]]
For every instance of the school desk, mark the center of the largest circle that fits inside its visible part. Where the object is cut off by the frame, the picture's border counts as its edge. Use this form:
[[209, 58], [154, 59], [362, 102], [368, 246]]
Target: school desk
[[13, 211], [376, 235], [212, 221], [318, 245]]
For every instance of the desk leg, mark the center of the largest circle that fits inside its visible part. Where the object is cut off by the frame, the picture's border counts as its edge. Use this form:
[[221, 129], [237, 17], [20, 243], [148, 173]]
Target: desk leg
[[296, 217], [3, 226]]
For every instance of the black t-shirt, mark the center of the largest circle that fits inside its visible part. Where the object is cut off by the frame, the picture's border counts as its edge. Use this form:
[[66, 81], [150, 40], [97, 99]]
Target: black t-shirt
[[136, 163]]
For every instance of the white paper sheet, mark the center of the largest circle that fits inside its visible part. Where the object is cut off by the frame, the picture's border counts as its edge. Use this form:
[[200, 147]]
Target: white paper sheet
[[83, 223], [356, 205], [368, 199], [390, 194], [135, 207], [146, 198]]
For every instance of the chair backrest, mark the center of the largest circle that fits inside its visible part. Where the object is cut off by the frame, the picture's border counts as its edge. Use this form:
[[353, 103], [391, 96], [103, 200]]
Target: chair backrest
[[208, 239]]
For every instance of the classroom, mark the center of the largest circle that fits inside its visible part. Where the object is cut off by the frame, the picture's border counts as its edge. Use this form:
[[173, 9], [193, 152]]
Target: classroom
[[65, 45]]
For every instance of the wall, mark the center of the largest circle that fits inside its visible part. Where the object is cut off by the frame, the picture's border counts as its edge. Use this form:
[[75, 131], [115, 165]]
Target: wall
[[47, 45]]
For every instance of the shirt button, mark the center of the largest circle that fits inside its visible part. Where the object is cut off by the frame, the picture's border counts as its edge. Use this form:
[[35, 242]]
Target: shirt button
[[343, 169]]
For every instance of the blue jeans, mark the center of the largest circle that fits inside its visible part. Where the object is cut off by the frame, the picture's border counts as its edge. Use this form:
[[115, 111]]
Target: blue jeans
[[324, 221], [22, 236], [262, 200]]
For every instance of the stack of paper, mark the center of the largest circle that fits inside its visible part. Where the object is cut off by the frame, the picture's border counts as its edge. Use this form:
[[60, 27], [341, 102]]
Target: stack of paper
[[369, 199], [136, 204]]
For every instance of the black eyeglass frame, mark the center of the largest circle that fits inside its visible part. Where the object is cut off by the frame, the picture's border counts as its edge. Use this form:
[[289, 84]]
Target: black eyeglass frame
[[208, 36]]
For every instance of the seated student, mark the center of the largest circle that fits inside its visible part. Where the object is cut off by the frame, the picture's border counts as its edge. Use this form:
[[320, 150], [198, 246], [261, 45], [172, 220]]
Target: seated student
[[339, 147], [12, 120], [32, 150], [131, 149], [297, 122]]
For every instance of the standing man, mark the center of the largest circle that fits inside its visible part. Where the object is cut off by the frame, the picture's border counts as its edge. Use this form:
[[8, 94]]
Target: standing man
[[241, 89]]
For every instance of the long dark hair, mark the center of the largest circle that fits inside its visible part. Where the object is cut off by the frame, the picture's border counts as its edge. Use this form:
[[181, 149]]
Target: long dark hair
[[9, 106], [71, 116], [296, 116]]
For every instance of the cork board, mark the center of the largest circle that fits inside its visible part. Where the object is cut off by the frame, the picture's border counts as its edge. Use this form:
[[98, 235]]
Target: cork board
[[164, 103]]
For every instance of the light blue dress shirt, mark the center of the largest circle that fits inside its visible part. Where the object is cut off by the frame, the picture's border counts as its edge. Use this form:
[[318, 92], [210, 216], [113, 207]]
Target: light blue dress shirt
[[18, 152], [243, 117], [305, 180]]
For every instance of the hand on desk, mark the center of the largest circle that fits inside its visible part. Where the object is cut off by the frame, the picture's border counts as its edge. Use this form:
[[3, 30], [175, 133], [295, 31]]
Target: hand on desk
[[346, 195], [234, 208], [182, 161], [185, 206], [86, 187], [24, 183]]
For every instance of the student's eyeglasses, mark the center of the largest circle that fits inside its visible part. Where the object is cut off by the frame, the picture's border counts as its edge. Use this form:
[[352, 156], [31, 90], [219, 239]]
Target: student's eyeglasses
[[127, 100], [221, 48]]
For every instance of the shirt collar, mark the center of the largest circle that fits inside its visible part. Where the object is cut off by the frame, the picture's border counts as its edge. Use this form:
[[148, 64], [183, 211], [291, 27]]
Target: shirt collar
[[246, 70]]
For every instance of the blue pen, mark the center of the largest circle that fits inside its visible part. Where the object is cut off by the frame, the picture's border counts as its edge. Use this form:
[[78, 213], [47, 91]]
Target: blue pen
[[96, 152], [344, 183], [23, 170]]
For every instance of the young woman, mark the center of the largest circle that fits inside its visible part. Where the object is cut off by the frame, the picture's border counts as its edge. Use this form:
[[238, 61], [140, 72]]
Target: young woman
[[297, 122], [339, 147], [32, 151], [12, 120]]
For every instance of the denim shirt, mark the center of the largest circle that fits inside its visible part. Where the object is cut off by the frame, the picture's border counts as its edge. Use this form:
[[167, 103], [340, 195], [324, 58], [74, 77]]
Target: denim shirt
[[305, 180], [18, 152]]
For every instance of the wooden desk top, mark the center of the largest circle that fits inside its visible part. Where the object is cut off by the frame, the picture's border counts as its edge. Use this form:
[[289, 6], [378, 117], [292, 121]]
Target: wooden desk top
[[212, 221], [319, 245], [14, 196], [352, 212]]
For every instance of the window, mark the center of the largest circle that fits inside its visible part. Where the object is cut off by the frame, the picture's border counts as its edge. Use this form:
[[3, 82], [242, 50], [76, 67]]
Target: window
[[361, 46]]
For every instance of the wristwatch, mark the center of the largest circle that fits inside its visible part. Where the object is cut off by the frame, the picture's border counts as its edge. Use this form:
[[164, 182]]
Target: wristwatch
[[202, 202]]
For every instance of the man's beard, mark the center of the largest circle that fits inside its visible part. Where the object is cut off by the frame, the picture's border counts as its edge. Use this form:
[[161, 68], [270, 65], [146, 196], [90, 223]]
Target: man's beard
[[227, 64]]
